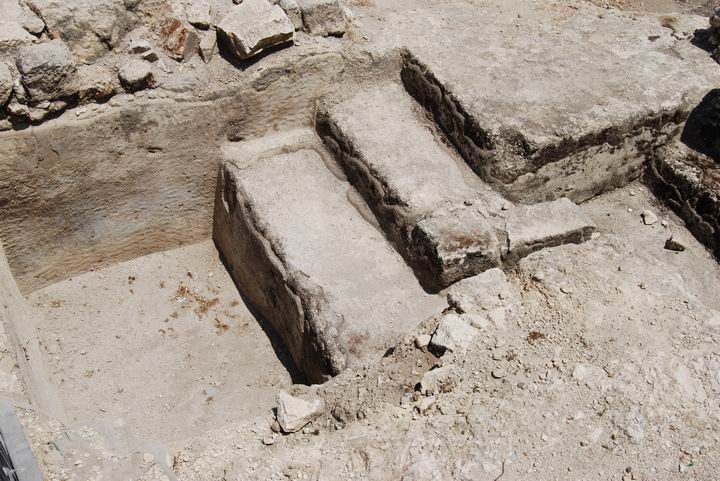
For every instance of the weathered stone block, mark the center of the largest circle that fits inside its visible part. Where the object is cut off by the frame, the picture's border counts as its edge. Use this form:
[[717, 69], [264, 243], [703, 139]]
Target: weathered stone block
[[47, 70], [547, 224], [12, 35], [254, 26], [454, 243], [323, 17]]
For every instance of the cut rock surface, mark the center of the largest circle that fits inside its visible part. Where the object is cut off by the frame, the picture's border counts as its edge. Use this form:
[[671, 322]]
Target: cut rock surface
[[312, 265], [547, 224], [293, 413], [414, 185], [253, 26]]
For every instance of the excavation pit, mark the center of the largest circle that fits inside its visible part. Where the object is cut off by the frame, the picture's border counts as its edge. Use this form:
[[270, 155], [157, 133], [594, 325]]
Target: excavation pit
[[162, 345]]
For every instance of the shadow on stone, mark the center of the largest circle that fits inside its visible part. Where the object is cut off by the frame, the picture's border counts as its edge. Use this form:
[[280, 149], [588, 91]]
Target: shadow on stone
[[702, 129]]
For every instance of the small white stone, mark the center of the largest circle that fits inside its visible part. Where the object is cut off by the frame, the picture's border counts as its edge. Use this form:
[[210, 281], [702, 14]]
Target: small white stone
[[648, 217], [293, 413], [423, 340]]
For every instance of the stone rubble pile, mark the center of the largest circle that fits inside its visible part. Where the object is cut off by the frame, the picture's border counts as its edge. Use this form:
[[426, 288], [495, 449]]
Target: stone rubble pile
[[56, 54]]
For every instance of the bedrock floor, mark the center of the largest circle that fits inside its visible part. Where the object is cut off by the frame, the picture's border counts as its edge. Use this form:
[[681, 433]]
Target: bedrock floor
[[162, 344]]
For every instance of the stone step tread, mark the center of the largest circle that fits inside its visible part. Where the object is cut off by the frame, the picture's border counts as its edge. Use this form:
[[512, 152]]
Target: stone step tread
[[399, 147], [369, 295]]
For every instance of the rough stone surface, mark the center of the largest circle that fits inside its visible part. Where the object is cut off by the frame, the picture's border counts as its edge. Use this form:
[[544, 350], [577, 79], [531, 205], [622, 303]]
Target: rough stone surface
[[95, 82], [405, 174], [47, 70], [689, 183], [199, 13], [323, 17], [547, 224], [13, 35], [253, 26], [136, 74], [333, 288], [180, 40], [208, 45], [453, 334], [454, 243], [483, 292], [90, 27], [292, 10], [294, 413], [576, 119], [6, 83]]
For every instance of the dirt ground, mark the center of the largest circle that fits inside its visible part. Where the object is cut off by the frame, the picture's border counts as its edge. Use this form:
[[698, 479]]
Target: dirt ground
[[162, 344], [698, 7]]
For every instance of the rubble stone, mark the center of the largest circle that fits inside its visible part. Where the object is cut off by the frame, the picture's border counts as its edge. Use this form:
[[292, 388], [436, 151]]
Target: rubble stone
[[254, 26], [95, 82], [208, 45], [199, 14], [293, 413], [139, 46], [673, 244], [136, 75], [181, 41], [437, 381], [293, 11], [47, 70], [483, 292], [648, 217], [452, 334], [6, 83], [13, 35], [89, 27], [323, 17], [547, 224]]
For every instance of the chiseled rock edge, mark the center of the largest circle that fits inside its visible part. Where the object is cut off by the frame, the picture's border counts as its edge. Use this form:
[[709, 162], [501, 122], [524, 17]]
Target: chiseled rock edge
[[437, 259], [676, 175], [525, 172], [293, 305]]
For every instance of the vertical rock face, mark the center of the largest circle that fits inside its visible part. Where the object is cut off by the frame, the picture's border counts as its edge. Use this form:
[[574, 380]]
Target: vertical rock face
[[47, 70], [254, 26], [311, 264]]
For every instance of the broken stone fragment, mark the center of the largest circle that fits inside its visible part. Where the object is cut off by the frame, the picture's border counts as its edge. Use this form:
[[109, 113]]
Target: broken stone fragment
[[95, 82], [208, 45], [293, 413], [422, 341], [673, 244], [199, 14], [13, 35], [180, 40], [648, 217], [437, 381], [136, 74], [323, 17], [254, 26], [139, 46], [455, 242], [483, 292], [91, 28], [546, 224], [6, 84], [47, 70], [452, 334], [292, 10]]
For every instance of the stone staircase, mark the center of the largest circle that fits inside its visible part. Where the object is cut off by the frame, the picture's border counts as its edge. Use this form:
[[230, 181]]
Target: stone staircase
[[337, 240]]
